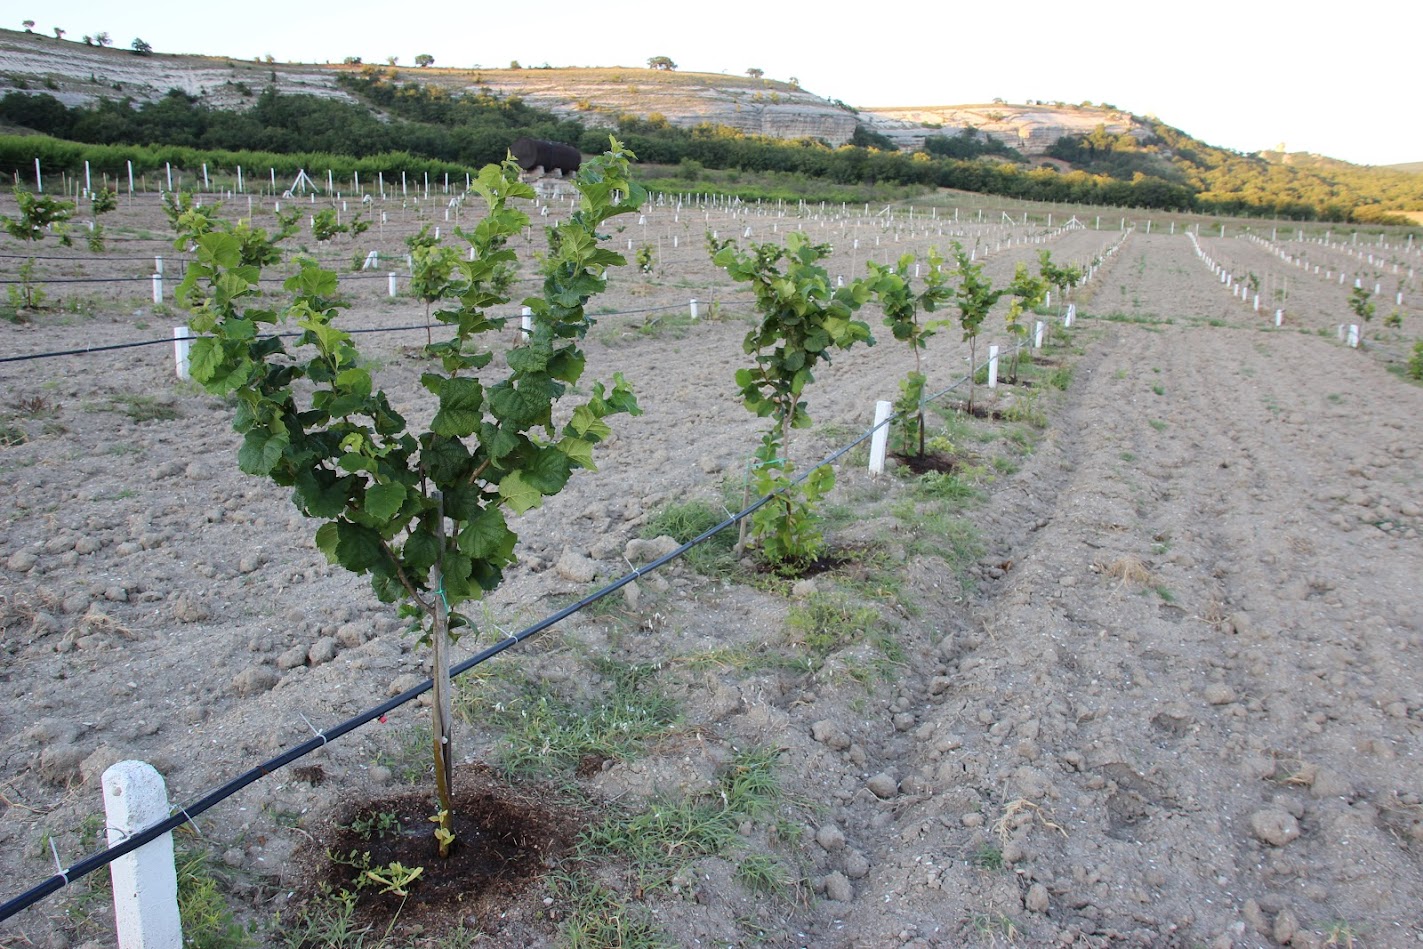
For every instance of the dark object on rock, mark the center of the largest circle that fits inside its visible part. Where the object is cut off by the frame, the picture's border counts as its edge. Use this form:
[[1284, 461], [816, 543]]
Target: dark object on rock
[[553, 157]]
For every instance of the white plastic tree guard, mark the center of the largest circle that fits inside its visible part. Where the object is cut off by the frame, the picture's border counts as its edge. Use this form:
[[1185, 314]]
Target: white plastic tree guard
[[1038, 334], [526, 321], [182, 347], [992, 367], [879, 442], [392, 277], [145, 881], [693, 307], [158, 288]]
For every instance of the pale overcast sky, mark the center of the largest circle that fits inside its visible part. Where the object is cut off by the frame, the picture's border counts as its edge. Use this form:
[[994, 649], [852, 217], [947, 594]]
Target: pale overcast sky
[[1244, 74]]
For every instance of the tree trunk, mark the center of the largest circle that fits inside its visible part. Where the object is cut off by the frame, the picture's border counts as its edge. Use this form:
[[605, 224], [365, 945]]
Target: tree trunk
[[441, 719]]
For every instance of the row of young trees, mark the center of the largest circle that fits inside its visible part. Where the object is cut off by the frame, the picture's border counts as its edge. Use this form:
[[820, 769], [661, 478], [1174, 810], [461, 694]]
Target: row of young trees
[[425, 512]]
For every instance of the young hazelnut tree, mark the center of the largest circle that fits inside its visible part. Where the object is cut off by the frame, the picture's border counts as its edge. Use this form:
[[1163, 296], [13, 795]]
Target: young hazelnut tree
[[802, 320], [423, 513]]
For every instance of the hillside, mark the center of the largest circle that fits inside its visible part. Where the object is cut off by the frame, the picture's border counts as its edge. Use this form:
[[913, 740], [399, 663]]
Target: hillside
[[1078, 153], [77, 74]]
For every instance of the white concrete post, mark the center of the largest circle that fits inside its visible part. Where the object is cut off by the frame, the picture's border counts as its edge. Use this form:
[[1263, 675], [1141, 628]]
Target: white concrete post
[[392, 283], [992, 367], [145, 882], [693, 307], [158, 288], [879, 442], [182, 345], [1038, 335]]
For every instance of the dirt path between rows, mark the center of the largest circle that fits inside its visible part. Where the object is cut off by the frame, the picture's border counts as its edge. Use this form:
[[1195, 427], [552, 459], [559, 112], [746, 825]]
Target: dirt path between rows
[[1194, 701]]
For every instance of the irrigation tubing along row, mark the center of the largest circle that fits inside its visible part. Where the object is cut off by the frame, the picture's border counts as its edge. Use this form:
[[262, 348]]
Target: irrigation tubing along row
[[368, 329], [187, 814]]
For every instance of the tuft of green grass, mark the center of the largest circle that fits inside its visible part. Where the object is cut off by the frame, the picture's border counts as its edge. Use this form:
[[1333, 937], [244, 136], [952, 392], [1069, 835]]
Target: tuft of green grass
[[1025, 409], [595, 917], [764, 874], [139, 408], [685, 520], [988, 857], [1157, 424], [326, 922], [208, 922], [666, 835], [545, 733], [749, 784], [1059, 378], [1339, 933], [945, 486], [1159, 389], [826, 622], [994, 926]]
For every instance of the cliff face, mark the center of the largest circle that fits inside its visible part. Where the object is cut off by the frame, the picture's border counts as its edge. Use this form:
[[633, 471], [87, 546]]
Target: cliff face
[[1032, 129], [78, 74], [598, 96]]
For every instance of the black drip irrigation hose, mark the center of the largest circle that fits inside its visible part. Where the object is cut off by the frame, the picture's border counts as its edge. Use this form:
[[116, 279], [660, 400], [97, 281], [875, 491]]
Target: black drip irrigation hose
[[187, 814], [369, 329], [86, 259], [46, 281]]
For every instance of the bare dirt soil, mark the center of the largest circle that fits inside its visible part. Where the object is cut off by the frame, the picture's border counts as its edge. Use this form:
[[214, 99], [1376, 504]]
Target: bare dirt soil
[[1149, 678]]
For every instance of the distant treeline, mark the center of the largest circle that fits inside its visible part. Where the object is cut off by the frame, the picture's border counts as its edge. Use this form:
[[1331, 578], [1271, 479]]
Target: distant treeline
[[429, 130]]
